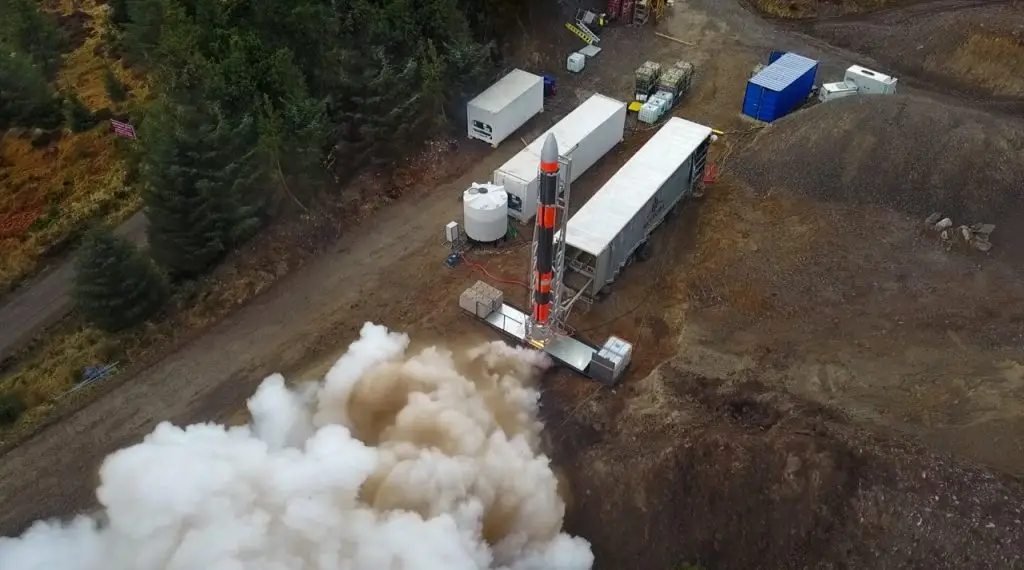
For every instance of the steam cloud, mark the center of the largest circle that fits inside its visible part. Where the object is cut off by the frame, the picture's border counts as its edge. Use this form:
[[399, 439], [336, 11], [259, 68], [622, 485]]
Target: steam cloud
[[394, 462]]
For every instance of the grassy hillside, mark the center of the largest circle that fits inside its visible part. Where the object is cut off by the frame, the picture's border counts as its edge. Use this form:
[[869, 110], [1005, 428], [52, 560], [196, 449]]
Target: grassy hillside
[[51, 191]]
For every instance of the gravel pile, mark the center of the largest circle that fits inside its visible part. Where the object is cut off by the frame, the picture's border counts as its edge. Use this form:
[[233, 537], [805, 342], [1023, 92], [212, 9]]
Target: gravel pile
[[910, 154]]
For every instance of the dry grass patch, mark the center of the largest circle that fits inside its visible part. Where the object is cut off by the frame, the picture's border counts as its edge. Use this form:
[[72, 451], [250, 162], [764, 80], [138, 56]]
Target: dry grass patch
[[990, 62], [807, 9]]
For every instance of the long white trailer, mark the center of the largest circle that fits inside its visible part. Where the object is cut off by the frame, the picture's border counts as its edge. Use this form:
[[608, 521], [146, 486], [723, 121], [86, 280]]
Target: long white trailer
[[605, 234], [584, 135]]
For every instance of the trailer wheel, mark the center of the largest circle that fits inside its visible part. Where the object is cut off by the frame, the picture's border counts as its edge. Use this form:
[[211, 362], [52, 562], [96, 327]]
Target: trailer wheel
[[643, 253]]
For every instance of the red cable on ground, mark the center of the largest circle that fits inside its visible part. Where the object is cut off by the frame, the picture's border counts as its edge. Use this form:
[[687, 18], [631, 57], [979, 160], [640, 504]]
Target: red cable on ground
[[483, 270]]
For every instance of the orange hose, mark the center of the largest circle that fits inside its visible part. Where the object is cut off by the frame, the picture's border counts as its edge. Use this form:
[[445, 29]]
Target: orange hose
[[483, 270]]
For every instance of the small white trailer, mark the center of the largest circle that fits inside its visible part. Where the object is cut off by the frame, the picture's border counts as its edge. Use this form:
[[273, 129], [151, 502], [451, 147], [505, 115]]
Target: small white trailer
[[584, 136], [833, 91], [495, 114], [614, 226]]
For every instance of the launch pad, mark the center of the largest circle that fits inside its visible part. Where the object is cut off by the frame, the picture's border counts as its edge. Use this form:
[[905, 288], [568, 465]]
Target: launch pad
[[545, 327]]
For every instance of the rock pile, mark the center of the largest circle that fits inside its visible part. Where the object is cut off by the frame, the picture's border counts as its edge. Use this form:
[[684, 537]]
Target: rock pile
[[974, 235]]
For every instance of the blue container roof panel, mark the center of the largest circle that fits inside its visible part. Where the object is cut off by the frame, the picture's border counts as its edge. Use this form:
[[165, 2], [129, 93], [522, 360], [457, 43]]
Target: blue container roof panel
[[787, 69]]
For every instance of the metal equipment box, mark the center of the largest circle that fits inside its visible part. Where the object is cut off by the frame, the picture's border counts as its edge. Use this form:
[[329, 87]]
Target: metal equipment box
[[779, 88], [603, 235], [495, 114], [608, 363], [584, 135]]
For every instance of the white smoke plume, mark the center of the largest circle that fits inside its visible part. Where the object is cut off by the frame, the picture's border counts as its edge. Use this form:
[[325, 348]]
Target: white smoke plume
[[426, 461]]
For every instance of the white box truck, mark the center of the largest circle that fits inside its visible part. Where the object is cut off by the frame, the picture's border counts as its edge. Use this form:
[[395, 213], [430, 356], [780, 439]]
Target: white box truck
[[584, 135], [505, 106]]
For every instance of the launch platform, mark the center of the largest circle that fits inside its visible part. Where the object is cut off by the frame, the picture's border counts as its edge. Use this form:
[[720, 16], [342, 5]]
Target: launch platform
[[604, 364]]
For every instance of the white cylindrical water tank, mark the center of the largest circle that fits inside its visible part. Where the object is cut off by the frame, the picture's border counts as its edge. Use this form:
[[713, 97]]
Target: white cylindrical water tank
[[485, 207]]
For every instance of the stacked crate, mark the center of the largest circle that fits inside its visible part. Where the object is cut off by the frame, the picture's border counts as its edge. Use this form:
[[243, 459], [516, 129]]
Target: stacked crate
[[481, 299], [614, 8], [628, 7]]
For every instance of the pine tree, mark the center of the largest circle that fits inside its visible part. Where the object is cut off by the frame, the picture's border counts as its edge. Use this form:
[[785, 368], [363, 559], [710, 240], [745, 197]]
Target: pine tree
[[115, 285], [77, 115], [201, 179], [26, 99], [116, 89], [25, 28]]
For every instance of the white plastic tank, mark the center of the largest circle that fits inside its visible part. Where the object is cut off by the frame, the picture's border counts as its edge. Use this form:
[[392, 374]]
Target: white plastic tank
[[485, 207]]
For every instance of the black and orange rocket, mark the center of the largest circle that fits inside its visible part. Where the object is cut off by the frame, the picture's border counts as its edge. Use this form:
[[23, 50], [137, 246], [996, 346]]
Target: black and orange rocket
[[548, 192]]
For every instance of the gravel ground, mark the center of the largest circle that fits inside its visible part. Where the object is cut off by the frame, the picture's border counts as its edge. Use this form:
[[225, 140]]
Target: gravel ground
[[913, 155], [755, 478]]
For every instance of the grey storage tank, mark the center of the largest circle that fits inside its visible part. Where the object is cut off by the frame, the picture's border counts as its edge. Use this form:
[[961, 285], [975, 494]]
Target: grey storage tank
[[602, 237]]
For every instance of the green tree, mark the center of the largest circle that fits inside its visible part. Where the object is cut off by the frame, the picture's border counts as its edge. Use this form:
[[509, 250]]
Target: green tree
[[116, 89], [115, 285], [12, 406], [201, 174], [77, 115], [26, 29], [26, 99]]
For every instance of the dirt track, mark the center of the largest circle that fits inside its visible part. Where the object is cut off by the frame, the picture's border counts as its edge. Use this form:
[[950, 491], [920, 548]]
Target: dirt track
[[743, 283]]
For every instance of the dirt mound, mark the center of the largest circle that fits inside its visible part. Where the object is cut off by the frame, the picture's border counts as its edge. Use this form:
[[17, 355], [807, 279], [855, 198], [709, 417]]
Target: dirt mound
[[913, 155], [975, 48], [729, 474]]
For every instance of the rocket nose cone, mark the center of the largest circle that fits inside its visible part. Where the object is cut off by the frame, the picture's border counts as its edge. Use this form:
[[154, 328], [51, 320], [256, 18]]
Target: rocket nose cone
[[550, 151]]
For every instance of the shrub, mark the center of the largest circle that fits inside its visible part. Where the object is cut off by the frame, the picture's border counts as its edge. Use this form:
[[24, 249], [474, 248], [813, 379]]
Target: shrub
[[76, 114], [12, 405], [116, 89]]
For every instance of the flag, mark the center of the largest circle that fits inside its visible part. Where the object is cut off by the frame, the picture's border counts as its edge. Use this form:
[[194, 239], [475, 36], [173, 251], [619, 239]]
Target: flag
[[123, 129]]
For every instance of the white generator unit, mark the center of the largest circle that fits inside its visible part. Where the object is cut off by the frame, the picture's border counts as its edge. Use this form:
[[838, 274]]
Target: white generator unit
[[576, 62], [833, 91], [485, 209], [495, 114], [584, 135], [870, 82]]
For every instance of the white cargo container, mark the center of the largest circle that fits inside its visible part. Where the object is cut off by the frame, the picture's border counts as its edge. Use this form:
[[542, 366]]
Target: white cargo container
[[833, 91], [584, 135], [870, 82], [615, 224], [505, 106]]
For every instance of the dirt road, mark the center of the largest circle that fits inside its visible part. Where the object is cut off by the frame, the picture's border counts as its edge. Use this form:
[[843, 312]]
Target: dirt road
[[47, 298], [389, 270]]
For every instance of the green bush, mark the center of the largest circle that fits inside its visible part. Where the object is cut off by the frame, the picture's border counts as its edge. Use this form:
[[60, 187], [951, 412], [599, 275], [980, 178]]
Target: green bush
[[116, 89], [77, 115], [116, 286], [12, 405]]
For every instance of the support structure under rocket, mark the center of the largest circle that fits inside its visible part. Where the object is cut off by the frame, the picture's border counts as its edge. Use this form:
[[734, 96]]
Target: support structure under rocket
[[546, 217]]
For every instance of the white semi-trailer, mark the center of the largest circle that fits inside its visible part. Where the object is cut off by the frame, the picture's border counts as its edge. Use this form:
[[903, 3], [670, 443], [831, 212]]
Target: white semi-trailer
[[614, 226]]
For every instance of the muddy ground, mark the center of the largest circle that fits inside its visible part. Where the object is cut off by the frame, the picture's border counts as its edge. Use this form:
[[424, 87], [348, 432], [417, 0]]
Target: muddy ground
[[867, 321]]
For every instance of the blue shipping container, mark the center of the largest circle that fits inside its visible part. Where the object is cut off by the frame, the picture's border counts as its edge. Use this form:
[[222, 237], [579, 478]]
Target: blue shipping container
[[779, 88]]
